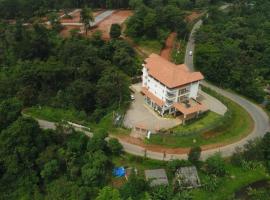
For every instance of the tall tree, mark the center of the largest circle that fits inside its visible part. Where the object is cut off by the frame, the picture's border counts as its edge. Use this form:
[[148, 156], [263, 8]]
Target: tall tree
[[86, 18]]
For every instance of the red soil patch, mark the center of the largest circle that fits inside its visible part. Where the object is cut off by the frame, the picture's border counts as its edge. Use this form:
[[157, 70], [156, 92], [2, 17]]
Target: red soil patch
[[117, 17], [161, 149], [193, 16], [166, 51], [76, 17], [66, 31]]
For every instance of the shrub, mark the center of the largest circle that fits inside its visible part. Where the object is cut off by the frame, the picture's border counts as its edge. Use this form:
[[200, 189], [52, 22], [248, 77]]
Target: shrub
[[215, 165], [210, 183], [115, 147], [175, 164], [194, 154]]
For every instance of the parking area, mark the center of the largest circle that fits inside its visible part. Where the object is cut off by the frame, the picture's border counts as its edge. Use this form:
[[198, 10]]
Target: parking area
[[140, 116]]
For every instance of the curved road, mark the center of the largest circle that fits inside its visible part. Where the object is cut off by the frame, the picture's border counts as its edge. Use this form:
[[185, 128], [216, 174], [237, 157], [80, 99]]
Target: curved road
[[261, 120]]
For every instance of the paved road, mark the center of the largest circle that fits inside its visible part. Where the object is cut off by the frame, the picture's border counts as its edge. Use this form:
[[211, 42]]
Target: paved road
[[261, 120]]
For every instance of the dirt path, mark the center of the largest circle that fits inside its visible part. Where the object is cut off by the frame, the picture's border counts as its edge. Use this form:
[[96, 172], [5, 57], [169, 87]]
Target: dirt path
[[166, 51]]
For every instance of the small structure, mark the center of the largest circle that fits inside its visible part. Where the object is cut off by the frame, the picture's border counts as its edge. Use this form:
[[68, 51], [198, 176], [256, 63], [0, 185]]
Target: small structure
[[187, 178], [119, 171], [156, 177]]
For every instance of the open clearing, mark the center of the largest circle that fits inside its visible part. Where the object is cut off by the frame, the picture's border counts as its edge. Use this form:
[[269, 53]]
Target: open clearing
[[76, 16], [166, 51], [117, 17]]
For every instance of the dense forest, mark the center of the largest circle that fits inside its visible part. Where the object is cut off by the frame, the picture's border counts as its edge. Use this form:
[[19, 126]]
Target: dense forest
[[10, 9], [40, 68], [233, 48]]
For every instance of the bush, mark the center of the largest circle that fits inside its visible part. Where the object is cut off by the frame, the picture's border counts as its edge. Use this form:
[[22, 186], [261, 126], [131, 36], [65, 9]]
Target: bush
[[115, 31], [175, 164], [215, 165], [210, 183], [115, 147], [194, 154]]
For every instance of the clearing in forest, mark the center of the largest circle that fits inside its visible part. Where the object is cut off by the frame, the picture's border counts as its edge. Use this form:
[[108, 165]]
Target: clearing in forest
[[117, 17]]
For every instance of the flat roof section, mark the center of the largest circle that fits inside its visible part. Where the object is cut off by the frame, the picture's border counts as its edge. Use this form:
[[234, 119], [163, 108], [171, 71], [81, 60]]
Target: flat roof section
[[189, 107]]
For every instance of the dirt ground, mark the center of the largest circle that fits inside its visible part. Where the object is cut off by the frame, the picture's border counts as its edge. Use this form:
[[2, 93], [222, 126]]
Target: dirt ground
[[76, 17], [166, 51], [66, 30], [193, 16], [105, 25], [162, 149]]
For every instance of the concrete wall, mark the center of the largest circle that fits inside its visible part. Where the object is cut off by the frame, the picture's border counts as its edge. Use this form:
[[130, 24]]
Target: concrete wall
[[194, 89]]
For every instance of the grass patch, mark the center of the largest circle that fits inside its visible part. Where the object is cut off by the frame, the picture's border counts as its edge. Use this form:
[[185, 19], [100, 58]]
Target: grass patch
[[237, 124], [57, 114], [228, 185], [152, 46]]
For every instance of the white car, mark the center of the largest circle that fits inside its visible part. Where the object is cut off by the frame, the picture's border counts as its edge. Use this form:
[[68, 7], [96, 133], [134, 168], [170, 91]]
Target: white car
[[190, 53], [132, 97]]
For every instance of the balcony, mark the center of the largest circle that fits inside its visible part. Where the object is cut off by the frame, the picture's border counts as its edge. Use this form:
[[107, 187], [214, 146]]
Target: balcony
[[169, 102], [170, 94]]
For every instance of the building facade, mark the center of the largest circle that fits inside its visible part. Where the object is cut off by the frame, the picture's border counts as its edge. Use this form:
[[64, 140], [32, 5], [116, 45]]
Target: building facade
[[170, 88]]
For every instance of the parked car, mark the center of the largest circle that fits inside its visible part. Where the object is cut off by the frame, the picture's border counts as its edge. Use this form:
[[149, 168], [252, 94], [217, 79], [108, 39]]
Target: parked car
[[190, 53], [132, 97]]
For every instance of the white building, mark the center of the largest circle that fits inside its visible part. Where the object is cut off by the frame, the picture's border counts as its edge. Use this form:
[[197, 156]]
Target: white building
[[170, 88]]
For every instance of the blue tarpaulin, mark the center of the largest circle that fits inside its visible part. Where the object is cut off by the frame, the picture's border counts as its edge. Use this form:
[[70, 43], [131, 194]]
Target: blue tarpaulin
[[119, 171]]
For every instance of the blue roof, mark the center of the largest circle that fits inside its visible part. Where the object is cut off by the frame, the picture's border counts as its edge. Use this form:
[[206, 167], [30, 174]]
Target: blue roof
[[119, 171]]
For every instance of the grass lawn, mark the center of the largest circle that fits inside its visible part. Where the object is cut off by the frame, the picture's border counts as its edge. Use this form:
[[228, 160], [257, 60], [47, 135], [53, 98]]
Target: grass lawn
[[151, 46], [178, 52], [235, 179], [237, 125], [56, 114], [228, 185]]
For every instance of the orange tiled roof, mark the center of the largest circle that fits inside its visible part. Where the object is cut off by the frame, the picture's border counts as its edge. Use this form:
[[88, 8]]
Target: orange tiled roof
[[153, 97], [193, 109], [170, 74]]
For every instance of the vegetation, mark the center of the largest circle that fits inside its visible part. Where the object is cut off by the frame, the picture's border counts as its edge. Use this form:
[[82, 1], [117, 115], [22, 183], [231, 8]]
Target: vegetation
[[232, 48], [86, 17], [194, 154], [178, 52], [155, 20], [236, 124], [25, 9], [115, 31], [87, 76]]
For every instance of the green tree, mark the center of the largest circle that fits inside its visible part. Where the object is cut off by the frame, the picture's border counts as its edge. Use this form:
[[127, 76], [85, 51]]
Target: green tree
[[112, 88], [134, 188], [86, 18], [115, 147], [20, 144], [266, 149], [194, 154], [108, 193], [10, 110], [50, 170], [115, 31]]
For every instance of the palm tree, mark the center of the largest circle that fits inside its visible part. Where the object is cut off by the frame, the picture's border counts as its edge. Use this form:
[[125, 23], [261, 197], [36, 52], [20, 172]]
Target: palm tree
[[86, 18]]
